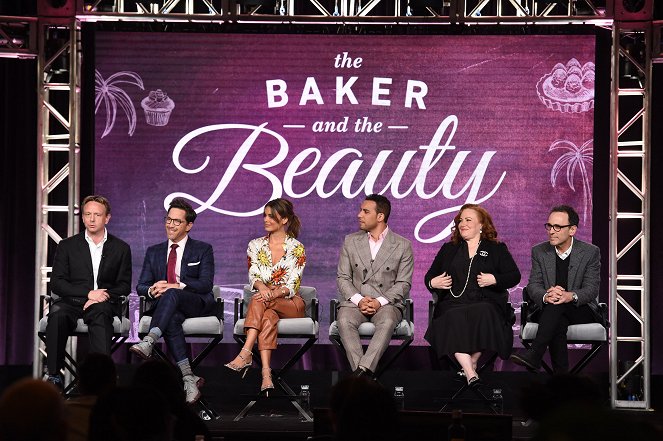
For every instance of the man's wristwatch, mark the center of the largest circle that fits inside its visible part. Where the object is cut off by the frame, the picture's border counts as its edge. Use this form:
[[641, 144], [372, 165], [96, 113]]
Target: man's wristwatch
[[575, 298]]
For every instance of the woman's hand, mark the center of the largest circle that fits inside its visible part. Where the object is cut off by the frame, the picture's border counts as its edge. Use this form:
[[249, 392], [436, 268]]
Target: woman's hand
[[443, 281], [484, 280], [264, 294]]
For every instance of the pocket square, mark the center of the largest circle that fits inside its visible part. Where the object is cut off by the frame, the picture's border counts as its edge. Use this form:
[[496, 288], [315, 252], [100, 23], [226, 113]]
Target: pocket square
[[193, 263]]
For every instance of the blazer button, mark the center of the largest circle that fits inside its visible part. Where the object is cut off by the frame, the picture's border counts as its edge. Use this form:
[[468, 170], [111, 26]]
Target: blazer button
[[387, 268], [363, 283], [356, 265], [380, 285]]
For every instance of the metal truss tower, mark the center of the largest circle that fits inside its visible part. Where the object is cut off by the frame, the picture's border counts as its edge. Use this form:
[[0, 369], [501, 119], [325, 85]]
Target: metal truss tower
[[633, 50]]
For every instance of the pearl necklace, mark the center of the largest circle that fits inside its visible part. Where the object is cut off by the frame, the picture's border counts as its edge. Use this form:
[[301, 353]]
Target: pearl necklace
[[469, 268]]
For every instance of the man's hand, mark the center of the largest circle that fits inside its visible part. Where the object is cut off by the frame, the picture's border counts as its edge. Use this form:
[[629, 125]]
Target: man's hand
[[97, 296], [443, 281], [557, 295], [161, 287], [369, 306]]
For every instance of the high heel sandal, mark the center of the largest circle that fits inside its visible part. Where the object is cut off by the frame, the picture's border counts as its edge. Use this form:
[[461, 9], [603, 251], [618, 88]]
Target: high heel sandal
[[247, 363], [265, 388], [473, 382]]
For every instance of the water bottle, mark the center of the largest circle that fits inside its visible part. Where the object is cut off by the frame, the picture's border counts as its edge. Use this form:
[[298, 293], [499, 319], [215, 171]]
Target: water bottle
[[305, 398], [456, 431], [399, 397]]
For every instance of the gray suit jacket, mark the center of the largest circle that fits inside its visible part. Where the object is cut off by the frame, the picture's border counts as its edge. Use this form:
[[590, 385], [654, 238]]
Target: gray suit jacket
[[584, 273], [389, 276]]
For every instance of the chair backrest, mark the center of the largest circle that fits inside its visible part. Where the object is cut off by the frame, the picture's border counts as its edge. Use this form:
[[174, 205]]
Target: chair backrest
[[308, 293]]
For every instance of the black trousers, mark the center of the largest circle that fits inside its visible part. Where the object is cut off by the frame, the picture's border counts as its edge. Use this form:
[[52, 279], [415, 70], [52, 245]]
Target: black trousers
[[62, 319], [554, 321]]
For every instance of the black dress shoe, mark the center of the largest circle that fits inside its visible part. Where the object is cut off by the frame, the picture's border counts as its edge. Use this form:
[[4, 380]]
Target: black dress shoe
[[527, 359], [363, 372]]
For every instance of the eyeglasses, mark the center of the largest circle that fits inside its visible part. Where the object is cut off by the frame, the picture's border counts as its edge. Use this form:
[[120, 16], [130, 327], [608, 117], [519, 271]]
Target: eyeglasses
[[176, 222], [556, 227]]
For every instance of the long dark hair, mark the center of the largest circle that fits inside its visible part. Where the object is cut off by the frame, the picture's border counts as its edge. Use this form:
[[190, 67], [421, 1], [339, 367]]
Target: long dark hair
[[284, 209]]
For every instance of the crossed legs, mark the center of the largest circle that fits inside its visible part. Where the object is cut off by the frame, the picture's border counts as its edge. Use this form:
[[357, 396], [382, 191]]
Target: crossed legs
[[261, 325]]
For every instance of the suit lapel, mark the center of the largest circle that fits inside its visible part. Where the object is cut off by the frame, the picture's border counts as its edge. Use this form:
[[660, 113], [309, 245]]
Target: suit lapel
[[550, 265], [363, 250], [162, 261], [388, 247], [84, 249], [575, 257], [186, 256]]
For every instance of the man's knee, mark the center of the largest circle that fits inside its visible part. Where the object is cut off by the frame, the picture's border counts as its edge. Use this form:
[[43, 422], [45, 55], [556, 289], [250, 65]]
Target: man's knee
[[346, 320]]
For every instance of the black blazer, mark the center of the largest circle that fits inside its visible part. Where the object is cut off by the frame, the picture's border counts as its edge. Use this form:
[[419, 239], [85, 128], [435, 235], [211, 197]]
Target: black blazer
[[493, 258], [72, 276]]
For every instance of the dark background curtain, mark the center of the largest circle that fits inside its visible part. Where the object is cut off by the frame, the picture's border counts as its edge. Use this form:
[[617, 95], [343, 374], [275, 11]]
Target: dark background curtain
[[18, 175]]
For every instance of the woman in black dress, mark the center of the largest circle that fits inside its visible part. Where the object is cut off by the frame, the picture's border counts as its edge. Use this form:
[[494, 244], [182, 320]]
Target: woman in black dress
[[470, 277]]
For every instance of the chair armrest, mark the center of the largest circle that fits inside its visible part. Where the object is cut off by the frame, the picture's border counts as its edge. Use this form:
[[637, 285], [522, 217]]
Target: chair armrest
[[524, 311], [124, 306], [314, 309], [333, 310], [409, 310], [46, 300], [603, 309], [219, 307], [238, 310]]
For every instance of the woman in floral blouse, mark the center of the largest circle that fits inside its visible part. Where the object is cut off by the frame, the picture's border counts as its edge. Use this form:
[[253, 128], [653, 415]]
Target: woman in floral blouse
[[276, 263]]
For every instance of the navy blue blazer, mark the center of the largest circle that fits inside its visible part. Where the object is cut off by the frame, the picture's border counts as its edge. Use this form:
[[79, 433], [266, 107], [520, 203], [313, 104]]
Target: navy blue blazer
[[72, 277], [196, 272]]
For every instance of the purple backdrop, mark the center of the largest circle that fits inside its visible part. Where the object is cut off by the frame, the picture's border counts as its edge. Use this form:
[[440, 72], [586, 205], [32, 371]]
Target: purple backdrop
[[432, 122]]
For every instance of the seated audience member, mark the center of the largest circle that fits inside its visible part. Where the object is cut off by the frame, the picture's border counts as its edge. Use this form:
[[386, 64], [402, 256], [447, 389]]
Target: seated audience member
[[470, 276], [374, 277], [362, 409], [564, 286], [177, 278], [164, 378], [96, 376], [91, 270], [574, 408], [131, 414], [276, 264], [32, 410]]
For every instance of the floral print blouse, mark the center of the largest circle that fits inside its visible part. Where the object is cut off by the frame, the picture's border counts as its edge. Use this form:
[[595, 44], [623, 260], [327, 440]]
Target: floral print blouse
[[287, 271]]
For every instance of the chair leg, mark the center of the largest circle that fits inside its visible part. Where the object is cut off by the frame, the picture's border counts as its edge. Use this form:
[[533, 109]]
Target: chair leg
[[385, 364]]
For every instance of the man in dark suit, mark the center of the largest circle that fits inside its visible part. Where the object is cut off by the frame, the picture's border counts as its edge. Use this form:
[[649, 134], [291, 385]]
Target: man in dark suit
[[91, 271], [564, 285], [374, 278], [177, 277]]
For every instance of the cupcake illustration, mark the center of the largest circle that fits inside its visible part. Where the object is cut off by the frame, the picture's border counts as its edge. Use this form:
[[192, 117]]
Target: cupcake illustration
[[157, 107]]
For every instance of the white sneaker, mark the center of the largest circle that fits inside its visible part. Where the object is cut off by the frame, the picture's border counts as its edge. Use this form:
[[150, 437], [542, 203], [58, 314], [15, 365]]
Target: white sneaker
[[191, 388], [144, 348]]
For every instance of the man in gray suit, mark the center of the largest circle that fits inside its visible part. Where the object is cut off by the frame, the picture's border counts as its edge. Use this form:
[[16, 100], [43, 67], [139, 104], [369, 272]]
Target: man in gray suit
[[374, 278], [564, 285]]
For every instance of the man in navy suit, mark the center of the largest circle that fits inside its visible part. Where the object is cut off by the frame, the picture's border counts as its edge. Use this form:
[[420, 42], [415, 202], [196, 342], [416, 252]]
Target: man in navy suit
[[564, 285], [91, 271], [177, 277]]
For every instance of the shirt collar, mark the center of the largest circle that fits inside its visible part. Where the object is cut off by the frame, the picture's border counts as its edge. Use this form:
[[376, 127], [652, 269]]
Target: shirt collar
[[566, 253], [380, 237], [91, 242], [181, 244]]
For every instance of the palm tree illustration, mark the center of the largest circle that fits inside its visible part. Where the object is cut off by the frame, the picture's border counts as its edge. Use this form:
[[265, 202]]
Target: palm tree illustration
[[111, 95], [576, 159]]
